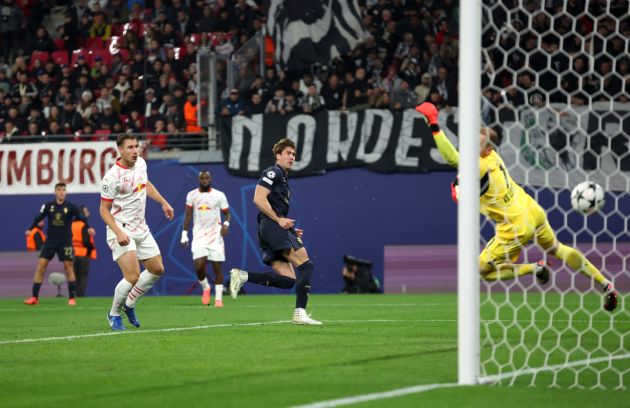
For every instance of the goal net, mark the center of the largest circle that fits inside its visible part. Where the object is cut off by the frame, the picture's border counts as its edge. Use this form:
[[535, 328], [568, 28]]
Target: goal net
[[556, 84]]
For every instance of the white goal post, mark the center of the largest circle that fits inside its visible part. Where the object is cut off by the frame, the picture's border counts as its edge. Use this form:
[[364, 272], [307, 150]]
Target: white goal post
[[554, 79]]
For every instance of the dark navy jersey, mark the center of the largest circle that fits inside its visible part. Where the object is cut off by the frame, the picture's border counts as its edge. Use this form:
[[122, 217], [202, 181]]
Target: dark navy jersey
[[60, 217], [274, 178]]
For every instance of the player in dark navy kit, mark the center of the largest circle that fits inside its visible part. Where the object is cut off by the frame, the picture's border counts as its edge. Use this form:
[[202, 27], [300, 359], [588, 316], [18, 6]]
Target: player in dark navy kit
[[60, 214], [280, 241]]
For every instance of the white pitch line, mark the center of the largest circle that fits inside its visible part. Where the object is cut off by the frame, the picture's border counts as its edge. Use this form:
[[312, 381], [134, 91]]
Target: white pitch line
[[208, 326], [172, 329], [417, 389], [215, 326]]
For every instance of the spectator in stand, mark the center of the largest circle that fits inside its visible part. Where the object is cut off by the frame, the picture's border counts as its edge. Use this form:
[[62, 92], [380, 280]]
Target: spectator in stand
[[403, 97], [70, 118], [312, 102], [205, 23], [445, 85], [232, 105], [108, 119], [183, 25], [11, 133], [18, 120], [11, 23], [332, 93], [306, 81], [423, 89], [33, 135], [54, 129], [42, 41], [86, 106], [291, 103], [357, 92], [277, 103], [23, 87], [158, 139], [174, 116], [255, 105]]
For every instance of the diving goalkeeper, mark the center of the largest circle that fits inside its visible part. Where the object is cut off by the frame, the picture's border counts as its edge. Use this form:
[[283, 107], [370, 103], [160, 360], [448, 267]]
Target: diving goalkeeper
[[518, 218]]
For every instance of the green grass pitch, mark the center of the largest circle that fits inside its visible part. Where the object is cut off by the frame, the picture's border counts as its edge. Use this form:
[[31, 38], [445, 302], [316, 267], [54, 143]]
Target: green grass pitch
[[249, 355]]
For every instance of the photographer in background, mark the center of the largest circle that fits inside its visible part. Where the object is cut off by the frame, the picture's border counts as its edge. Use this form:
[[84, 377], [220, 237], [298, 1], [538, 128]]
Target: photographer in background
[[357, 276]]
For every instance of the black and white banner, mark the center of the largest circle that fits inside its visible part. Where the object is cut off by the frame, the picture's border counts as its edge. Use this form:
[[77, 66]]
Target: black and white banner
[[382, 140], [306, 32]]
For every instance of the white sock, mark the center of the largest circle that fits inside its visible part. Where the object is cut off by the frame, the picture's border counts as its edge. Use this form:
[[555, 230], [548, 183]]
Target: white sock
[[218, 292], [120, 295], [204, 284], [145, 282]]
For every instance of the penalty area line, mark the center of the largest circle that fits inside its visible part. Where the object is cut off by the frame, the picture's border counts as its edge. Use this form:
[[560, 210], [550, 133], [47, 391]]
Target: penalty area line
[[176, 329]]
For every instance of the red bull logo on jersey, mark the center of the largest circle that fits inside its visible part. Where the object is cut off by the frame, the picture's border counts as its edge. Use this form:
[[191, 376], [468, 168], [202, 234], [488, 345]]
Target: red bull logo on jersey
[[139, 187], [204, 207]]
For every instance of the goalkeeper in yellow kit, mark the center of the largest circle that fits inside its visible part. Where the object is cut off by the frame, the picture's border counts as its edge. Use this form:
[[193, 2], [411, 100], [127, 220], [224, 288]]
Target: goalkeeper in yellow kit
[[519, 219]]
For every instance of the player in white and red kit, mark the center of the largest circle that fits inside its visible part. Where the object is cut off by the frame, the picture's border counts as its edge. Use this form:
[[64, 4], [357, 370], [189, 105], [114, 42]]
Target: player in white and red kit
[[204, 205], [124, 193]]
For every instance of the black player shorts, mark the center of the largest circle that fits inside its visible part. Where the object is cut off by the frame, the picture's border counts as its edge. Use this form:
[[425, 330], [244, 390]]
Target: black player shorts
[[274, 240], [64, 251]]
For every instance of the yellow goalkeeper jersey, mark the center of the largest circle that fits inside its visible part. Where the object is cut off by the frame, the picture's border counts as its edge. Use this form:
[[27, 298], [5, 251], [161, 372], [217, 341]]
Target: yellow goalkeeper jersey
[[501, 199]]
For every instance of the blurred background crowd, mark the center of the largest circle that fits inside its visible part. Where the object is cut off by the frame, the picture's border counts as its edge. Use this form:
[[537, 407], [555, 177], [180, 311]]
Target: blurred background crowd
[[91, 68]]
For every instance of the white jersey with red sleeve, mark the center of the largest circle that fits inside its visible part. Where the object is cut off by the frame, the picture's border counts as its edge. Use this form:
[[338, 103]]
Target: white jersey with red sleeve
[[207, 208], [126, 189]]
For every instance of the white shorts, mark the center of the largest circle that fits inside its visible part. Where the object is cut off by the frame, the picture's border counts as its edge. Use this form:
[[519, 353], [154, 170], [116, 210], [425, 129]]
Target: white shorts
[[145, 246], [213, 253]]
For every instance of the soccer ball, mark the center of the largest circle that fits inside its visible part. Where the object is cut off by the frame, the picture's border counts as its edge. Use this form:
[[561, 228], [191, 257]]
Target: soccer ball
[[587, 197]]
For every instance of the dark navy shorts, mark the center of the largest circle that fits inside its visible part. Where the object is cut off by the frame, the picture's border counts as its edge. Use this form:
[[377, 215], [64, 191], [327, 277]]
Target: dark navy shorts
[[64, 251], [274, 240]]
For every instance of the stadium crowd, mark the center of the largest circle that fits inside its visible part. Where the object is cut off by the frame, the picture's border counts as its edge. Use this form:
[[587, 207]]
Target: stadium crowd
[[116, 65]]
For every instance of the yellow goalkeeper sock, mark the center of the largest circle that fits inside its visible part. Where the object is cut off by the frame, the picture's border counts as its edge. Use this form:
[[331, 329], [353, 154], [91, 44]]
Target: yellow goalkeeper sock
[[578, 262], [510, 271]]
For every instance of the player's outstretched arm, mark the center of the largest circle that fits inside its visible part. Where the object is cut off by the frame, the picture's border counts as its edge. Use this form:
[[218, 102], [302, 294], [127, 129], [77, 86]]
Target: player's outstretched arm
[[155, 195], [260, 200], [446, 148]]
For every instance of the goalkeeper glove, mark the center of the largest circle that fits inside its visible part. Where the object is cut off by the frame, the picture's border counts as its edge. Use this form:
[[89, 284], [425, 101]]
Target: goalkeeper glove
[[455, 190], [429, 111], [184, 240]]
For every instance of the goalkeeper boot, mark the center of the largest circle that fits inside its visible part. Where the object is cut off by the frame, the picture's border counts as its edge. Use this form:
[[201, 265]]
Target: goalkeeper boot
[[237, 280], [610, 297], [300, 317], [115, 322], [31, 301], [542, 271], [72, 302], [130, 312], [205, 297]]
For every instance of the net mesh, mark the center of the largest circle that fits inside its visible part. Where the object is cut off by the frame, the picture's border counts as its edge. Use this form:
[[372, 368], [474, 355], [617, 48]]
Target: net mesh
[[556, 82]]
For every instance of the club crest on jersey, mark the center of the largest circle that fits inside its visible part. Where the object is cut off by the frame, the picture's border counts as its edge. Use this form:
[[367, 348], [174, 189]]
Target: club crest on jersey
[[139, 187], [65, 210], [271, 174]]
